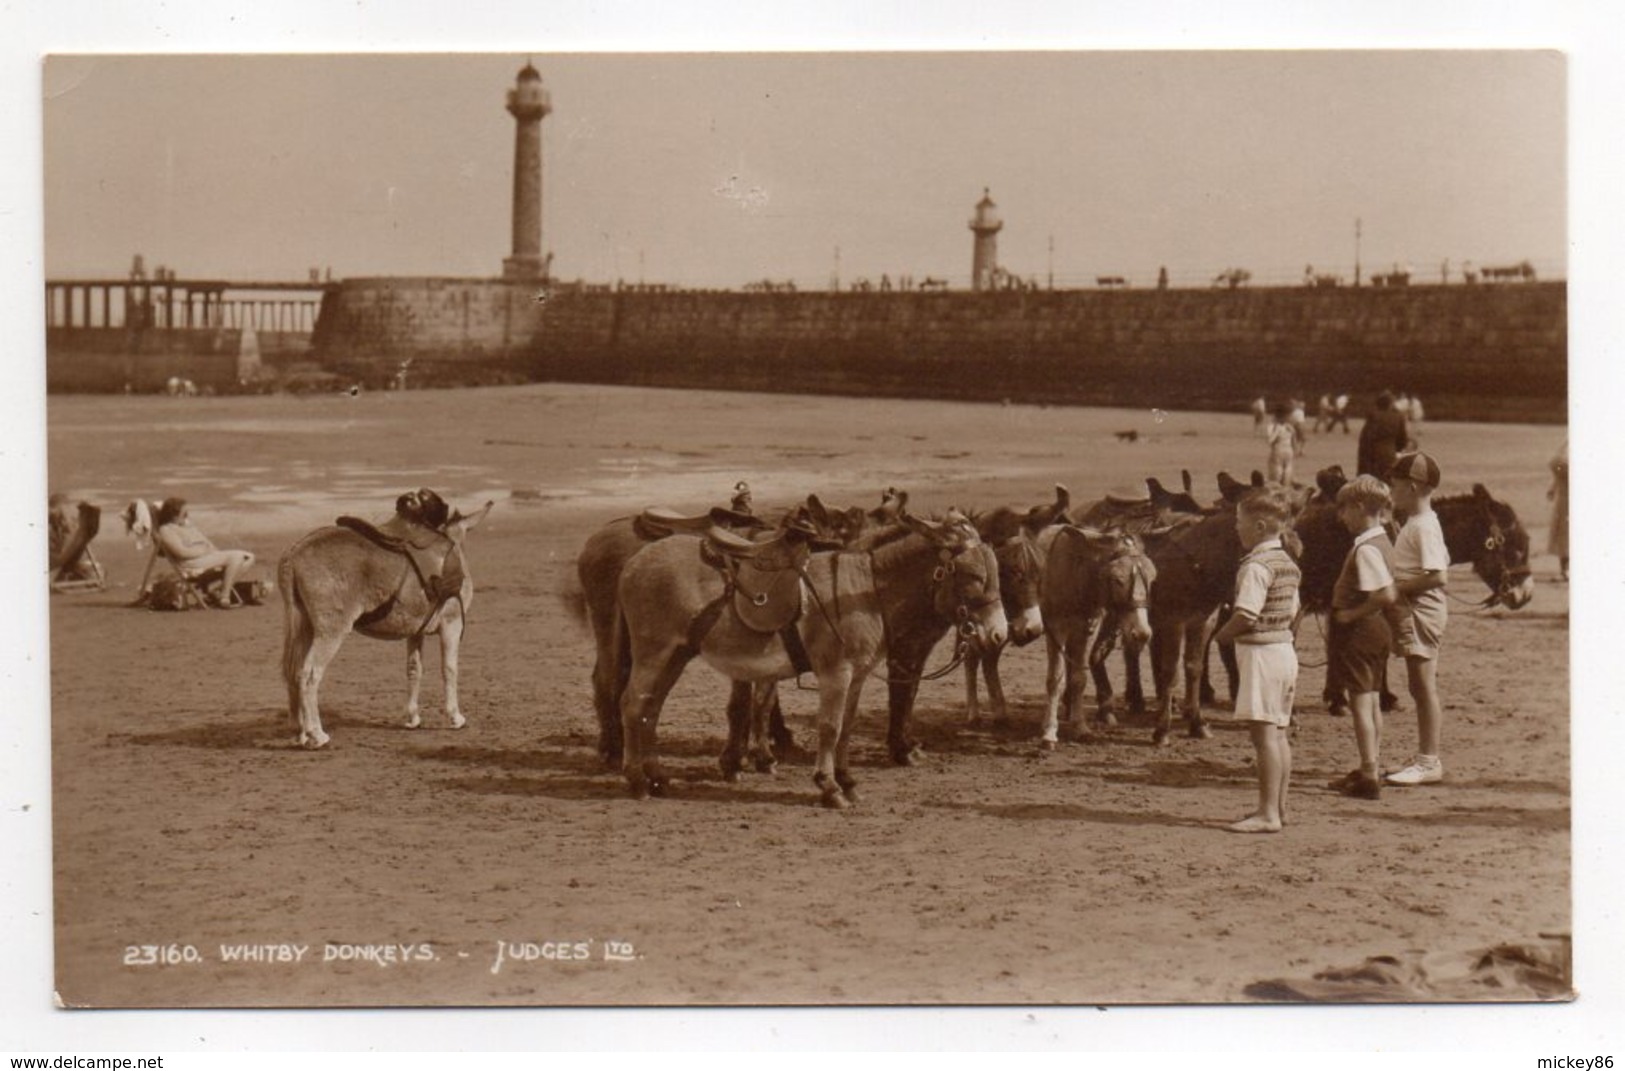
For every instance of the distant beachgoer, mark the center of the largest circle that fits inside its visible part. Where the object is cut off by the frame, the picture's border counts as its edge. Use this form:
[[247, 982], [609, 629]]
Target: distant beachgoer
[[1383, 438], [1557, 541], [1282, 438], [193, 552], [1340, 413], [1298, 420], [1260, 410]]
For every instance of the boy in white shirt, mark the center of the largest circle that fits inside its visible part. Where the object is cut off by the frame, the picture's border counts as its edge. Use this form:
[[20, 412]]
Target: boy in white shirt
[[1421, 566], [1360, 637]]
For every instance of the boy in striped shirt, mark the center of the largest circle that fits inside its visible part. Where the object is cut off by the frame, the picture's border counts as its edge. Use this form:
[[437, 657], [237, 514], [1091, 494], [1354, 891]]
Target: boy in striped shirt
[[1266, 604]]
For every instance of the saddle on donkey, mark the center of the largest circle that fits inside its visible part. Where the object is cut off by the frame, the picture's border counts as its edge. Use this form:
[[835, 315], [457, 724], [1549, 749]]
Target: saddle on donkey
[[417, 531], [764, 579]]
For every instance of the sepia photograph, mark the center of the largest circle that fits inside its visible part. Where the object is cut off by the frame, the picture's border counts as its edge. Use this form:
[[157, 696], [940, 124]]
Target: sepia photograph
[[842, 528]]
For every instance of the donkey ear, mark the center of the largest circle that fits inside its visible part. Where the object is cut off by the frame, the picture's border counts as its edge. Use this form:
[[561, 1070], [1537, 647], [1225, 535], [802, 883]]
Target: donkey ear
[[1230, 488], [937, 532], [472, 521], [1258, 478], [1482, 493], [820, 515], [1063, 498], [1185, 478]]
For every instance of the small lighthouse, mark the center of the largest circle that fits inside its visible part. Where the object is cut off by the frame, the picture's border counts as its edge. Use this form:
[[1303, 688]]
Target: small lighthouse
[[986, 225], [528, 103]]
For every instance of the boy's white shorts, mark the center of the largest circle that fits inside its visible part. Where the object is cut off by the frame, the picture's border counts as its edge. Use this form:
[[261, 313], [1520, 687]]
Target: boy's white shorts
[[1267, 682]]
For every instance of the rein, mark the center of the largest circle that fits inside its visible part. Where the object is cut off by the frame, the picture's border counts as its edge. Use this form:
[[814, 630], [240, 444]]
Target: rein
[[964, 631], [961, 647]]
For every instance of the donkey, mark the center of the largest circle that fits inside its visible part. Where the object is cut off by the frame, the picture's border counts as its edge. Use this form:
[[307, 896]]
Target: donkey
[[1478, 529], [1196, 569], [1087, 574], [1020, 541], [1157, 512], [675, 607], [404, 582], [598, 570]]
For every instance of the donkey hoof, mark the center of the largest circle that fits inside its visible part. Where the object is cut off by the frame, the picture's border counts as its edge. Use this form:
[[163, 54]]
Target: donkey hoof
[[413, 721], [834, 800], [458, 721], [731, 776], [638, 789], [1200, 732], [851, 793], [1107, 719], [1049, 745], [904, 757], [1160, 739]]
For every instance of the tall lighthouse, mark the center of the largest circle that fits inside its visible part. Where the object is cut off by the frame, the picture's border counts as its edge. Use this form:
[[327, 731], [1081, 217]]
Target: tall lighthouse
[[985, 256], [529, 104]]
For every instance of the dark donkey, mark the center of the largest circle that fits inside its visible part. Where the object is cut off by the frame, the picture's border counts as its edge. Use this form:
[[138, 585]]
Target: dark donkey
[[1478, 529], [1087, 575], [676, 607], [1196, 572], [1019, 540]]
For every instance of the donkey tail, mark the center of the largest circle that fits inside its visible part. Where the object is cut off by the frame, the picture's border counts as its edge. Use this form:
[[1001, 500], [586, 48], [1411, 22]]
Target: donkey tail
[[575, 603], [297, 631]]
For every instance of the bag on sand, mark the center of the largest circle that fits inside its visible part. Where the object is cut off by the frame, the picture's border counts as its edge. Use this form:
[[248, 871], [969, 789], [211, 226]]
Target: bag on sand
[[170, 593]]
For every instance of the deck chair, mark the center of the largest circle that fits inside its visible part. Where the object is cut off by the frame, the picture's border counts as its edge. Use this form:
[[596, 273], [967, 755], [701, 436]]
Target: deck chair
[[73, 566], [183, 590]]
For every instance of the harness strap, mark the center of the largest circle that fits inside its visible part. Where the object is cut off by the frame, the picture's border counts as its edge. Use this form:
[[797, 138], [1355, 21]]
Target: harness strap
[[705, 621], [795, 649]]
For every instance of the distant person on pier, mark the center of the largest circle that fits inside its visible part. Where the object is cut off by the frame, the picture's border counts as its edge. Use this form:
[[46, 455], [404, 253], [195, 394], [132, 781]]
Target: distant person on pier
[[1384, 436]]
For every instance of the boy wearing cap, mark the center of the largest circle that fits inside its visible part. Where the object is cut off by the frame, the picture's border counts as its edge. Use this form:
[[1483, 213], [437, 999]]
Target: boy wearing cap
[[1421, 566]]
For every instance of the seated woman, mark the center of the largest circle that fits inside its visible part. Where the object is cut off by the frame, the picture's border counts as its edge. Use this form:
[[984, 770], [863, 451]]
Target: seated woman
[[193, 553]]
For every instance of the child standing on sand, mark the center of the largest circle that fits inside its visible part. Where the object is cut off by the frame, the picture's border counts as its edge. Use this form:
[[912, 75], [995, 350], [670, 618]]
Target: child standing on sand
[[1359, 639], [1421, 567], [1266, 603]]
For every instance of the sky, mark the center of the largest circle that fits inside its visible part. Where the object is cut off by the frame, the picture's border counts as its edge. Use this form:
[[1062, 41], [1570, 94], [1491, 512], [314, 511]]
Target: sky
[[721, 169]]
